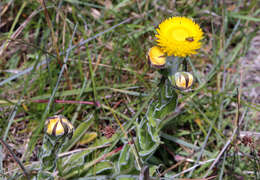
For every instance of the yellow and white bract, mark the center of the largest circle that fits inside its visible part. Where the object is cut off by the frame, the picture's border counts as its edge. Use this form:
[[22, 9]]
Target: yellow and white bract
[[182, 80], [58, 125]]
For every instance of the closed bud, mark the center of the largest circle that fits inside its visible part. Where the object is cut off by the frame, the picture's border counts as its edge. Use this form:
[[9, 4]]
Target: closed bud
[[182, 80], [156, 57], [58, 125]]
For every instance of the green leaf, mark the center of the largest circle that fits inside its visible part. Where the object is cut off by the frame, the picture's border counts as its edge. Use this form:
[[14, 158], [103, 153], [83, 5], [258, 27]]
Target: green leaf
[[124, 155], [158, 109], [153, 133], [79, 132], [125, 177], [243, 17], [144, 138], [87, 138], [149, 150], [165, 104], [50, 148], [76, 160], [183, 143], [150, 114], [167, 100], [126, 160], [100, 167]]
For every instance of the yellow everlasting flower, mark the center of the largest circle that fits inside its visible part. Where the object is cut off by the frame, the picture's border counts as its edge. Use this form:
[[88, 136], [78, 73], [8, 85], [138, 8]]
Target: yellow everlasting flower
[[58, 125], [156, 57], [179, 36]]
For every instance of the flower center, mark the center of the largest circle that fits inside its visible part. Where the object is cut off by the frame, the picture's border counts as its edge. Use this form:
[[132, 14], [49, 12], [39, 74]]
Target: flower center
[[180, 34]]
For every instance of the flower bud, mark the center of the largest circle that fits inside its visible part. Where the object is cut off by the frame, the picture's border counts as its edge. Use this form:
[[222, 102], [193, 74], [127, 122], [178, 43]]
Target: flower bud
[[58, 125], [156, 57], [182, 80]]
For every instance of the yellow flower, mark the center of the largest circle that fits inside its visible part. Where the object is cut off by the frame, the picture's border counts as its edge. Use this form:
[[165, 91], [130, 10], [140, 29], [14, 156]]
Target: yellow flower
[[179, 36], [182, 80], [156, 57], [58, 125]]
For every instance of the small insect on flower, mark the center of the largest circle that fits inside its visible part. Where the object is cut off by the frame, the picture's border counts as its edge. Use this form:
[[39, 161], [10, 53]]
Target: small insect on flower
[[182, 80], [156, 57], [58, 125], [190, 39]]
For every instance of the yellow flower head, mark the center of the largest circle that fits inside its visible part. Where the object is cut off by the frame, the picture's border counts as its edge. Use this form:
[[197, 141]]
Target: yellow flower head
[[156, 57], [58, 125], [179, 36]]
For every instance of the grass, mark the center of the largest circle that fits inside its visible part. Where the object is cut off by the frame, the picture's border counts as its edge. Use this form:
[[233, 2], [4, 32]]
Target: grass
[[94, 51]]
